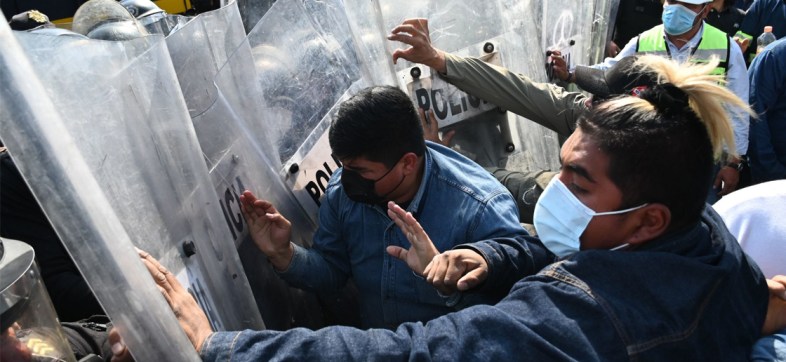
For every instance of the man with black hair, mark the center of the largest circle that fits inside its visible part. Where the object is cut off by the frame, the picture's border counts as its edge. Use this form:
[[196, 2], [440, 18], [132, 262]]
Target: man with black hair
[[378, 138], [544, 103]]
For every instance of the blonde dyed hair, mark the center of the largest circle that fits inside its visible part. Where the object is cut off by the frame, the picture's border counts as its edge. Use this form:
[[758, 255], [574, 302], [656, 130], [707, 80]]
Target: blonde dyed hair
[[709, 99]]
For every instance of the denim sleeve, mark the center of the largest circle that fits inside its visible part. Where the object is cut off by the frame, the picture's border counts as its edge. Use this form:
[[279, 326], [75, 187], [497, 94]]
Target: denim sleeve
[[770, 348], [766, 83], [510, 253], [524, 324], [325, 267]]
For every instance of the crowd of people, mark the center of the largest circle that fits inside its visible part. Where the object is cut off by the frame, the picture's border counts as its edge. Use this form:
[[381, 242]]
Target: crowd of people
[[656, 239]]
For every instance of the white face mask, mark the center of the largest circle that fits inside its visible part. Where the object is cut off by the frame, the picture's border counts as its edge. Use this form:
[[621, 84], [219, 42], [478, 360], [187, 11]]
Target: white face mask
[[560, 219]]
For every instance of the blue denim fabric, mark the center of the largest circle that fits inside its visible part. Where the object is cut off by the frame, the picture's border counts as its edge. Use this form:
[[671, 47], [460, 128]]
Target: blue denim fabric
[[770, 348], [691, 295], [458, 202], [767, 147]]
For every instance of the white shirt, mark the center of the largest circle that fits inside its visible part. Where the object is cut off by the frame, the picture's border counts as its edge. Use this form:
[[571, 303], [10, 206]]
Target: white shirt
[[736, 79], [754, 215]]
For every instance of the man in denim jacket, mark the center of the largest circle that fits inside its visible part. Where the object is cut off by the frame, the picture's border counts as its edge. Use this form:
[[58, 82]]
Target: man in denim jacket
[[378, 137]]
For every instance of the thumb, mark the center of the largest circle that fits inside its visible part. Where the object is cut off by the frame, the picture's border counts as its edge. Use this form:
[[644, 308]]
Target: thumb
[[471, 279], [397, 54], [397, 252]]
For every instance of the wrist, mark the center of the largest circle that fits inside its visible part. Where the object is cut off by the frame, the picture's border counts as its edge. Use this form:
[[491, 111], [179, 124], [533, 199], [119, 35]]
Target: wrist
[[571, 77], [737, 163], [282, 257], [438, 62]]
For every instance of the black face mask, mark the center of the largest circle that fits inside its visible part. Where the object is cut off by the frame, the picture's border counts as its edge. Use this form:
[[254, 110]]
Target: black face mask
[[361, 189]]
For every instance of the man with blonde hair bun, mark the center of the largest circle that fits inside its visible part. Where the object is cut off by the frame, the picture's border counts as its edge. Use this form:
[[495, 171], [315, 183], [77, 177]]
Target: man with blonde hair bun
[[646, 270]]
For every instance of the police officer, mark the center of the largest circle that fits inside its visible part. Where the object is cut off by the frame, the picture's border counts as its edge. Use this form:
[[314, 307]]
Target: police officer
[[684, 36]]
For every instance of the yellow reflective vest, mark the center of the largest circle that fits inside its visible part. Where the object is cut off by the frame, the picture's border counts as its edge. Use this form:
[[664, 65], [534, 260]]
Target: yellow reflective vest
[[713, 42]]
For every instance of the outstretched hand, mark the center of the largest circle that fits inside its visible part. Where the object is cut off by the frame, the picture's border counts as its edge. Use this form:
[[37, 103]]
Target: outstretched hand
[[431, 129], [188, 313], [270, 230], [459, 269], [422, 249], [414, 32]]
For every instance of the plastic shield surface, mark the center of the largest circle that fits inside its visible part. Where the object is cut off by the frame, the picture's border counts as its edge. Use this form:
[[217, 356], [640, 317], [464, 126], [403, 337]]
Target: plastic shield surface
[[306, 61], [491, 31], [50, 151], [216, 72], [135, 132]]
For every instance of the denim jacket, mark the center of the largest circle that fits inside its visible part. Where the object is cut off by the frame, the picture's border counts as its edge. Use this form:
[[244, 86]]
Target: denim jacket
[[458, 202], [687, 296]]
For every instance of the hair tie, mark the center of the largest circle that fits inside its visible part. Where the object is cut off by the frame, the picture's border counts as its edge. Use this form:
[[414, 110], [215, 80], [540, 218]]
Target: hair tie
[[667, 98]]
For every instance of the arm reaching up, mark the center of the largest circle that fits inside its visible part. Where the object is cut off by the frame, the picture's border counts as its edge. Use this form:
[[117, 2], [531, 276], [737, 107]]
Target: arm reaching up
[[414, 32]]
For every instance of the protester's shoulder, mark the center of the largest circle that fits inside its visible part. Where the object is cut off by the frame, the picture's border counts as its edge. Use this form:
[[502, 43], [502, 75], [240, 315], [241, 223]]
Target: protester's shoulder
[[455, 171], [750, 199]]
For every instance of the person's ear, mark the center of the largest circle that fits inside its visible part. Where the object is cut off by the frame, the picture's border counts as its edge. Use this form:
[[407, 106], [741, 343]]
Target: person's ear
[[651, 221], [411, 163]]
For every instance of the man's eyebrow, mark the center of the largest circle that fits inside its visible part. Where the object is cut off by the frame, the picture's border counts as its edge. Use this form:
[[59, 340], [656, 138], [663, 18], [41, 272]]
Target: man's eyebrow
[[581, 171]]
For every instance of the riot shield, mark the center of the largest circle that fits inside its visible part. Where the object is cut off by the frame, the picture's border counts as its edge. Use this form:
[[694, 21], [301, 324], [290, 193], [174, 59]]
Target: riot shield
[[136, 135], [306, 61], [67, 179], [217, 76], [487, 30]]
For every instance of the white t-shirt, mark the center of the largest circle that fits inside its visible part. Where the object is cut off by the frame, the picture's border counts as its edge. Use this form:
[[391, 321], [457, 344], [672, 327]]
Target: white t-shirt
[[756, 215]]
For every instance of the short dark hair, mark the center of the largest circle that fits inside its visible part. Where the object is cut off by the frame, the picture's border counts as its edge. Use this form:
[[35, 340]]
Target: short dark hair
[[659, 151], [379, 123]]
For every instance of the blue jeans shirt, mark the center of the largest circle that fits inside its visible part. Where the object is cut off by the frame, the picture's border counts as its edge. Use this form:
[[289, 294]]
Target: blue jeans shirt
[[690, 295], [768, 99], [458, 202]]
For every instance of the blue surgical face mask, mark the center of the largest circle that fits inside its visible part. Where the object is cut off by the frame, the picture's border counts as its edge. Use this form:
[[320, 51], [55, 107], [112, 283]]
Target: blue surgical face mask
[[560, 218], [677, 19]]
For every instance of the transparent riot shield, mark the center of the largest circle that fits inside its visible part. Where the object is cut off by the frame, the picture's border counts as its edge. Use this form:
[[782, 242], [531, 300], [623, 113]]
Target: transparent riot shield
[[487, 30], [66, 175], [306, 61], [218, 79]]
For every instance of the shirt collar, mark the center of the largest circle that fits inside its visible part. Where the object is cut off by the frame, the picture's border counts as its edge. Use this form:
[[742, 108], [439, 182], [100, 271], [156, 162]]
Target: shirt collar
[[692, 43], [428, 161]]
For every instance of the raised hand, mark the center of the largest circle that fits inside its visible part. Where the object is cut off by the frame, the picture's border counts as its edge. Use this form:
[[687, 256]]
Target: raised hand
[[559, 66], [270, 230], [422, 250], [414, 32], [431, 129], [188, 313]]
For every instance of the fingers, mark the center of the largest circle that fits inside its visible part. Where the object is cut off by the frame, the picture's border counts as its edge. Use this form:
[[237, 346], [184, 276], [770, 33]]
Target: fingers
[[430, 128], [472, 279], [777, 286], [165, 280], [119, 351], [397, 252]]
